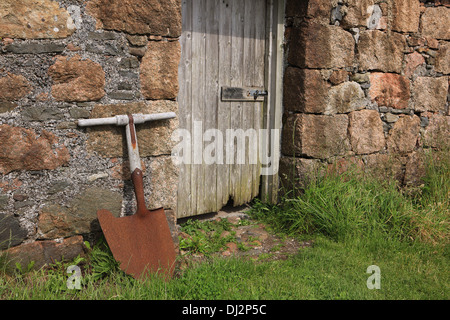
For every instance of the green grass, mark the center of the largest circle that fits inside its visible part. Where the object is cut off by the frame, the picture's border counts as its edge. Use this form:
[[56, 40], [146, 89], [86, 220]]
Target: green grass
[[206, 237], [354, 223], [341, 207], [329, 270], [350, 205]]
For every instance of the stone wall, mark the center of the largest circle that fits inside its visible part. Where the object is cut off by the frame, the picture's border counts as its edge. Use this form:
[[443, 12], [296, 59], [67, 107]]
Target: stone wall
[[366, 84], [64, 60]]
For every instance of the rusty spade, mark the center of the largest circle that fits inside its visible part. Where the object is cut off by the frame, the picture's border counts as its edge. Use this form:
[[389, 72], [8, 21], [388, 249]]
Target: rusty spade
[[141, 243]]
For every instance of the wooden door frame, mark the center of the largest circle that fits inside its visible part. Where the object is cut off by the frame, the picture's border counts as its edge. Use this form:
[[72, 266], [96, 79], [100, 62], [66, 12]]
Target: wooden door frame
[[273, 111]]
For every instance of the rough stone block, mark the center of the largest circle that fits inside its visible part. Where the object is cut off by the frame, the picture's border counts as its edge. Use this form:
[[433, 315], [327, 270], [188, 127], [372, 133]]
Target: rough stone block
[[442, 62], [381, 165], [43, 253], [156, 17], [405, 15], [11, 232], [404, 135], [435, 22], [77, 80], [79, 216], [430, 94], [437, 133], [389, 90], [4, 199], [345, 98], [316, 136], [314, 45], [381, 51], [58, 186], [366, 132], [307, 91], [42, 113], [391, 118], [13, 87], [129, 63], [304, 90], [137, 51], [79, 113], [415, 169], [298, 172], [360, 77], [130, 74], [137, 40], [357, 13], [35, 48], [338, 76], [105, 35], [7, 106], [318, 10], [159, 70], [122, 95], [295, 8], [412, 60], [163, 183], [291, 144], [377, 19], [31, 19], [22, 149], [342, 165]]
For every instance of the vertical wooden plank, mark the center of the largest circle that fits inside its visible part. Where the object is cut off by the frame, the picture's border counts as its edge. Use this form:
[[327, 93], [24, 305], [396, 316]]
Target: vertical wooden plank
[[276, 116], [273, 111], [248, 79], [184, 103], [224, 111], [260, 59], [211, 80], [198, 76], [266, 180], [237, 67]]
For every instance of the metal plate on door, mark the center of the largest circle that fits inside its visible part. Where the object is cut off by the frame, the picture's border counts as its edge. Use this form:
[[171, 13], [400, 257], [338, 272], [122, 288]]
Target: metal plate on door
[[243, 94]]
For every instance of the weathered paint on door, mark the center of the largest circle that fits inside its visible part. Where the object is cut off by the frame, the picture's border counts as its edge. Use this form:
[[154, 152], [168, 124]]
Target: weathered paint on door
[[223, 44]]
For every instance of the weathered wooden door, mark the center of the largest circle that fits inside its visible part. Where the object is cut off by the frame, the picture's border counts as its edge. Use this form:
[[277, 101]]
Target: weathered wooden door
[[223, 44]]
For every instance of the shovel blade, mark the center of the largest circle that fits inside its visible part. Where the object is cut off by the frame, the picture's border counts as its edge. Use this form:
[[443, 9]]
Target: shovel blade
[[142, 244]]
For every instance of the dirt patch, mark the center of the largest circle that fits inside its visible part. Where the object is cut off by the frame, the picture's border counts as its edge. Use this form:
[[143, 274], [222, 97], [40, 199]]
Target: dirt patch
[[247, 239]]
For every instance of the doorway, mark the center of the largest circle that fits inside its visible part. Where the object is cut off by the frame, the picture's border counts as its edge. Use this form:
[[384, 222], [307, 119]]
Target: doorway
[[230, 91]]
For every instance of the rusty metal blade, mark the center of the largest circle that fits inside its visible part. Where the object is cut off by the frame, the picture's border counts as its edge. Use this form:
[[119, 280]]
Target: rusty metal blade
[[142, 244]]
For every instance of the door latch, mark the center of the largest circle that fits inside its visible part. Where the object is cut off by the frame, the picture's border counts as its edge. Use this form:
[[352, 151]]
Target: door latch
[[248, 94], [257, 93]]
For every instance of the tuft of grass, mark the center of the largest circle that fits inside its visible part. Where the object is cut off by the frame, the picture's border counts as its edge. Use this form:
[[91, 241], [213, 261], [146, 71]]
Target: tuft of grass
[[340, 207], [432, 200], [206, 237], [351, 205], [102, 262]]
